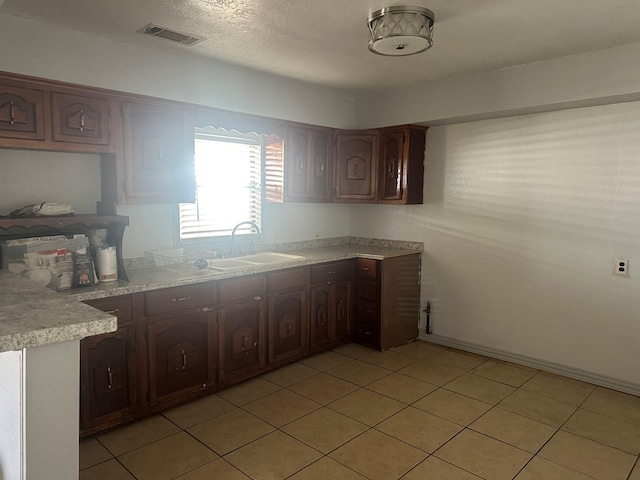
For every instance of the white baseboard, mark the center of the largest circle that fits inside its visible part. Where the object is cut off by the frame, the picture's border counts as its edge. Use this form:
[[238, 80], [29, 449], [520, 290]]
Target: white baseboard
[[585, 376]]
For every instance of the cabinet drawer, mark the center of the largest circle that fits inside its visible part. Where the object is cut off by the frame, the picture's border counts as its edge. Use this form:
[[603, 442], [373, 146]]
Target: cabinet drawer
[[367, 289], [118, 306], [366, 312], [367, 334], [295, 278], [332, 272], [243, 287], [178, 298], [367, 268]]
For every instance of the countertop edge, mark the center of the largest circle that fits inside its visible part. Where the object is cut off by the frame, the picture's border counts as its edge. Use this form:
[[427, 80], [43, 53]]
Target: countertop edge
[[32, 315]]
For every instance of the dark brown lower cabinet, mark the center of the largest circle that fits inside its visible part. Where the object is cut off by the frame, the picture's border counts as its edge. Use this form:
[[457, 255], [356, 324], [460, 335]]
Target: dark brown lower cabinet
[[387, 301], [343, 312], [175, 344], [287, 315], [242, 334], [288, 320], [321, 308], [181, 357], [331, 307], [109, 382]]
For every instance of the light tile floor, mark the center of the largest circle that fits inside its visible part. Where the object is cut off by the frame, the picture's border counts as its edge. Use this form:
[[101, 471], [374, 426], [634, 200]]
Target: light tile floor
[[420, 411]]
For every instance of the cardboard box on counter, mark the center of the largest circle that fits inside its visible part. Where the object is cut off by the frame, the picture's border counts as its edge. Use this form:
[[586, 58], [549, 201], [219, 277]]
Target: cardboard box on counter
[[44, 260]]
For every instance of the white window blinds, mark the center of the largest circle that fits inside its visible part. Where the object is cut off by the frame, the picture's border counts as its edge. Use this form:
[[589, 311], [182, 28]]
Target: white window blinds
[[228, 184]]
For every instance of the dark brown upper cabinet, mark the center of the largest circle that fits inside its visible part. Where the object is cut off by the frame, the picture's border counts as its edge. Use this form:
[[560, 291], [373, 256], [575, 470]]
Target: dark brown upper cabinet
[[55, 117], [308, 164], [21, 113], [401, 167], [158, 154], [356, 166], [80, 119]]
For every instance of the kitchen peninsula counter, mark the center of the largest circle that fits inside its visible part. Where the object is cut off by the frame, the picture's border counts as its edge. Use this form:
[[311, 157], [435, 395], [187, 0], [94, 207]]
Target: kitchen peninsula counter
[[147, 279], [32, 315], [40, 334]]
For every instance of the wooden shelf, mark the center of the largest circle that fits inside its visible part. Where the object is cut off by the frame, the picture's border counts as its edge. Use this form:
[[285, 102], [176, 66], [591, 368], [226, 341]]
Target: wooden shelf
[[11, 228]]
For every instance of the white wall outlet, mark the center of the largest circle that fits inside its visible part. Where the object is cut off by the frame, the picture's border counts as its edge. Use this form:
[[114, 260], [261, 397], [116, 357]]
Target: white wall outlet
[[621, 267]]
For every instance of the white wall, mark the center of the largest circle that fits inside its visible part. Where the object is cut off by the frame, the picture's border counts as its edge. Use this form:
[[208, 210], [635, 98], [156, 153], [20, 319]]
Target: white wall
[[30, 177], [304, 221], [11, 414], [153, 226], [522, 220]]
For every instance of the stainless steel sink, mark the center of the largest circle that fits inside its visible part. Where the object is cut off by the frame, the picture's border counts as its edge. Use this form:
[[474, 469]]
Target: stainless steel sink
[[255, 260]]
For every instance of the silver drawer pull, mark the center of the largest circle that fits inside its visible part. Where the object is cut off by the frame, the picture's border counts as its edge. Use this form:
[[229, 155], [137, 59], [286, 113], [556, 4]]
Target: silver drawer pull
[[115, 311], [257, 298], [184, 360], [180, 299], [110, 375]]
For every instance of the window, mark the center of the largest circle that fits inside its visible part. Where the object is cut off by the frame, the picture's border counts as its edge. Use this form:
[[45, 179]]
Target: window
[[228, 184]]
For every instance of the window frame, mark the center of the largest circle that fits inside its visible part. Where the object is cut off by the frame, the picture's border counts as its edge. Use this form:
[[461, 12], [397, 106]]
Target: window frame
[[221, 241]]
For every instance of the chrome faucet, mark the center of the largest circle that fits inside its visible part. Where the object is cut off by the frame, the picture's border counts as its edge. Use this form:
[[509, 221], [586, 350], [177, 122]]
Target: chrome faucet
[[251, 243]]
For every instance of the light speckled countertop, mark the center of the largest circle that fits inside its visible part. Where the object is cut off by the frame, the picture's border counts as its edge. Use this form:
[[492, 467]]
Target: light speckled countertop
[[31, 315], [176, 275]]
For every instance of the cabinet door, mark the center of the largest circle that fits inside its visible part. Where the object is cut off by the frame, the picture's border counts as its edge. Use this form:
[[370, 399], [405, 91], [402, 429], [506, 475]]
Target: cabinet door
[[21, 113], [356, 166], [392, 172], [320, 166], [343, 312], [297, 162], [401, 170], [108, 368], [321, 317], [80, 119], [159, 149], [287, 322], [308, 164], [242, 340], [181, 356]]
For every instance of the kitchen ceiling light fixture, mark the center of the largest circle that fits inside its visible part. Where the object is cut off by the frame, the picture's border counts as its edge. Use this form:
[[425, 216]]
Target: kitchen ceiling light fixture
[[401, 30]]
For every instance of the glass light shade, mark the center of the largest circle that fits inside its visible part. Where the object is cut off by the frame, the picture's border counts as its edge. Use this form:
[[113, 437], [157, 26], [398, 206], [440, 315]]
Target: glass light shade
[[401, 30]]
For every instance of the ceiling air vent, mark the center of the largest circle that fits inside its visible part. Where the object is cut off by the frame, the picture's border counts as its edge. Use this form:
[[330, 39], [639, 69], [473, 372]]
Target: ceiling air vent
[[162, 32]]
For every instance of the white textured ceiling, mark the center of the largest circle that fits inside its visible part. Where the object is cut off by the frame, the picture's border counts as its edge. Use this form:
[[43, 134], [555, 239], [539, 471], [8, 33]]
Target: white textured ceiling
[[325, 41]]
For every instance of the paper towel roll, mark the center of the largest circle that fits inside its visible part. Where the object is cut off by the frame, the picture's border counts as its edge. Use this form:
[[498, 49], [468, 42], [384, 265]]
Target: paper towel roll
[[107, 264]]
